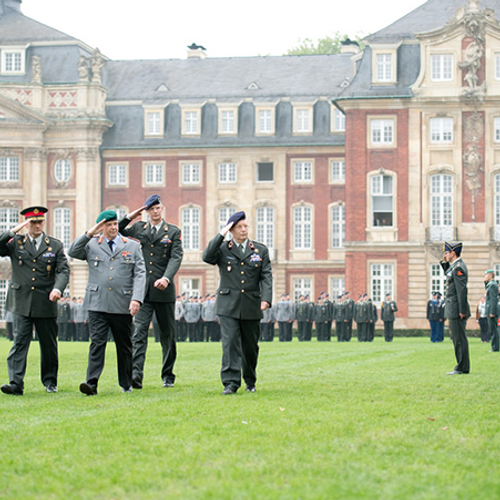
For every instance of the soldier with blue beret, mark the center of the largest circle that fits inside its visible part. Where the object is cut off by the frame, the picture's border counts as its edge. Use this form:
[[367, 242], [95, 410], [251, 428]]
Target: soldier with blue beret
[[491, 307]]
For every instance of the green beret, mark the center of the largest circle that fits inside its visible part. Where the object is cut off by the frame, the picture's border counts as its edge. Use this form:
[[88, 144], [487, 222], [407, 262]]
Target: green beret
[[489, 271], [107, 215]]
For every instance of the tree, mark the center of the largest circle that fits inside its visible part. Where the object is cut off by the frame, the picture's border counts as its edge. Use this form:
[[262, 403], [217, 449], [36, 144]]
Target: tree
[[326, 45]]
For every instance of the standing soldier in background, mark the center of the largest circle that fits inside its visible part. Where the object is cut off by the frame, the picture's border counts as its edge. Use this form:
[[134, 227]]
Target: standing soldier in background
[[456, 304], [40, 273], [267, 325], [348, 315], [208, 318], [179, 313], [387, 310], [329, 316], [301, 314], [320, 319], [361, 318], [433, 315], [338, 314], [162, 250], [283, 315], [310, 318], [373, 320], [192, 315], [63, 314], [491, 307]]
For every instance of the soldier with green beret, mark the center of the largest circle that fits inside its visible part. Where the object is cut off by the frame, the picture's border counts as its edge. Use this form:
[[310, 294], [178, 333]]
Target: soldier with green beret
[[491, 307]]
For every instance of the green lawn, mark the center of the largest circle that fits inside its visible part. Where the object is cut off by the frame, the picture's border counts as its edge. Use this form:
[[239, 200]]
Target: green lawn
[[329, 421]]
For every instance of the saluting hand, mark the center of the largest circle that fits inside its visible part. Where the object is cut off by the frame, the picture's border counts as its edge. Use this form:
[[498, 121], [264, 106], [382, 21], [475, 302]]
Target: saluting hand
[[96, 229], [20, 226], [136, 213], [226, 229]]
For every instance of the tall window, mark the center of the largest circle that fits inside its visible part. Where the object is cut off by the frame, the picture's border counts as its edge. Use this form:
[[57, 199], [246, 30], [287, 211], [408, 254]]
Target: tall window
[[382, 132], [382, 200], [384, 67], [265, 121], [8, 219], [339, 121], [227, 121], [265, 226], [191, 228], [9, 168], [62, 225], [441, 130], [191, 287], [497, 66], [227, 173], [338, 170], [303, 120], [337, 287], [153, 173], [301, 286], [117, 175], [153, 123], [3, 296], [191, 173], [302, 171], [382, 281], [438, 279], [191, 122], [441, 207], [496, 129], [441, 67], [338, 226], [224, 214], [496, 182], [302, 228], [62, 170]]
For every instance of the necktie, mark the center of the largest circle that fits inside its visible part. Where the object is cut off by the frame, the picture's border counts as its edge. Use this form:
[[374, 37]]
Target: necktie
[[110, 244], [34, 244], [240, 246], [153, 232]]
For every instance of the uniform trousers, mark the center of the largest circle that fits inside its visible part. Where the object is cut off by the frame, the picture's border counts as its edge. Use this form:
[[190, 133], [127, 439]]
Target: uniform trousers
[[165, 316], [434, 330], [240, 351], [301, 330], [99, 325], [461, 344], [493, 328], [388, 330], [23, 335]]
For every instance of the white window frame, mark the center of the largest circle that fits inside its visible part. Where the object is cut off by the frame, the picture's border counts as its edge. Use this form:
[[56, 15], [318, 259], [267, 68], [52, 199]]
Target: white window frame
[[337, 221], [337, 286], [228, 121], [496, 129], [9, 169], [154, 173], [496, 206], [62, 225], [303, 120], [191, 121], [224, 214], [441, 67], [302, 286], [191, 228], [302, 227], [9, 218], [117, 174], [264, 125], [382, 132], [338, 120], [381, 280], [153, 121], [384, 67], [62, 170], [4, 284], [20, 55], [378, 191], [437, 279], [441, 210], [337, 170], [264, 226], [441, 130], [302, 171], [191, 286], [497, 65], [191, 173], [227, 173]]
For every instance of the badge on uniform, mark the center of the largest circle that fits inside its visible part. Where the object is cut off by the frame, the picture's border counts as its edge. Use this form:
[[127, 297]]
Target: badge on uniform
[[255, 258], [166, 240], [48, 254], [126, 254]]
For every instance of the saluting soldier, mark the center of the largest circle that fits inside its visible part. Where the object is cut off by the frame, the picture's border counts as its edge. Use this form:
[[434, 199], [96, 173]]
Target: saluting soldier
[[162, 250], [387, 310], [491, 307], [115, 291], [456, 308], [40, 273], [245, 290]]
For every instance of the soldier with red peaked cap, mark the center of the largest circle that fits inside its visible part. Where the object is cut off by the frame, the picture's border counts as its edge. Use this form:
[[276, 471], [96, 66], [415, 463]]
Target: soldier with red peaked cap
[[40, 273]]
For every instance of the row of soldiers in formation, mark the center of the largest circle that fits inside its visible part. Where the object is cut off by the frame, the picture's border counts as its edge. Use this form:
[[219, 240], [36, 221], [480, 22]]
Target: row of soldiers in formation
[[196, 319]]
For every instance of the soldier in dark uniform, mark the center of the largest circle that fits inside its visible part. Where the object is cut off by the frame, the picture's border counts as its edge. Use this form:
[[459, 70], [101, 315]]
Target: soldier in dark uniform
[[361, 318], [373, 319], [320, 319], [338, 314], [349, 315], [40, 273], [387, 310], [433, 315], [492, 308], [245, 290], [162, 250], [310, 318], [63, 313], [456, 304], [301, 313]]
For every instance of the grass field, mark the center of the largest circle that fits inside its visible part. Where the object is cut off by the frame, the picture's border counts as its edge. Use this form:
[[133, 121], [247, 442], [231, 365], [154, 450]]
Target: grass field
[[329, 421]]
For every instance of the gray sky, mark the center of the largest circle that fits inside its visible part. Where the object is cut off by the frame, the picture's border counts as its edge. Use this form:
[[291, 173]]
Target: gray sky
[[157, 29]]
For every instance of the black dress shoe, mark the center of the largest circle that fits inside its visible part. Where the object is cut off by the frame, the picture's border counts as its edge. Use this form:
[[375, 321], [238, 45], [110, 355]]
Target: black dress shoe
[[229, 390], [88, 389], [250, 388], [136, 384], [51, 388], [13, 389], [167, 384]]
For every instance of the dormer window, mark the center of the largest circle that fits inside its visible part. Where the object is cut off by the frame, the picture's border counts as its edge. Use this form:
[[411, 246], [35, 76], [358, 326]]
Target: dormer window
[[12, 60], [384, 67], [384, 64]]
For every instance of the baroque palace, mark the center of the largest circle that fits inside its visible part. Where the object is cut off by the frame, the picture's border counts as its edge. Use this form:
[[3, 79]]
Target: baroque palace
[[352, 168]]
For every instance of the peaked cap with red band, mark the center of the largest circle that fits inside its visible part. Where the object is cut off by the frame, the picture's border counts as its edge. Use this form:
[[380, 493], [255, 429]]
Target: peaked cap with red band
[[34, 213]]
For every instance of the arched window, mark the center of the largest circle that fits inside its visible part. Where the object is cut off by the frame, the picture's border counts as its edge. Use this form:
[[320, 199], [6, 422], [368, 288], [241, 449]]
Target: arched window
[[62, 170]]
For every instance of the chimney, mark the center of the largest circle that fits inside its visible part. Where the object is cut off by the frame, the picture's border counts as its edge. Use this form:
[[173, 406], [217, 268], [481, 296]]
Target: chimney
[[349, 47], [11, 4], [196, 51]]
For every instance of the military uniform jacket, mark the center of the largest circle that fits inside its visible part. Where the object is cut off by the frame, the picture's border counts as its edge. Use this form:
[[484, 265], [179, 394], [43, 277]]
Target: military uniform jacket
[[491, 305], [63, 312], [362, 313], [192, 312], [162, 255], [34, 274], [245, 280], [456, 302], [349, 309], [285, 311], [268, 315], [178, 310], [208, 311], [387, 310], [434, 310], [339, 311], [301, 311], [374, 312], [115, 278]]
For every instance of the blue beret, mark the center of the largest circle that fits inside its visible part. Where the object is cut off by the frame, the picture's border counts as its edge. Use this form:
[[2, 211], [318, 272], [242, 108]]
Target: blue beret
[[454, 246], [153, 200], [236, 217], [107, 215]]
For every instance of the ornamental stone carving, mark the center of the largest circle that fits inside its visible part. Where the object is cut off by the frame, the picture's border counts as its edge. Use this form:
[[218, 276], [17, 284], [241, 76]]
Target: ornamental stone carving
[[97, 63], [35, 154], [36, 69], [90, 154]]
